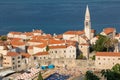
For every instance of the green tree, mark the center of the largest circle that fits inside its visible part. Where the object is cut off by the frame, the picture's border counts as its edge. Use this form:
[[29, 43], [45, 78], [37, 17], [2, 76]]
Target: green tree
[[116, 68], [40, 76], [113, 74], [47, 48], [90, 76], [93, 57], [80, 56], [99, 46], [3, 38], [108, 43]]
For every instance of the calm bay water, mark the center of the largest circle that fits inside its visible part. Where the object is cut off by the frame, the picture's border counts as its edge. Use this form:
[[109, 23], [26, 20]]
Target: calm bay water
[[57, 16]]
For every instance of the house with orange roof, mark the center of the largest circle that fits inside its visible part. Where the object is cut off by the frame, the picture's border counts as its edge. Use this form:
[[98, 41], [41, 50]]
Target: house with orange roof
[[72, 35], [42, 55], [110, 32], [62, 51], [106, 60], [19, 46], [53, 42], [39, 48], [13, 60], [14, 34]]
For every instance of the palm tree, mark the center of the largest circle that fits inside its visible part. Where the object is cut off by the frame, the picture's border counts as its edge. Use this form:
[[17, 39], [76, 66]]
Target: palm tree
[[90, 76]]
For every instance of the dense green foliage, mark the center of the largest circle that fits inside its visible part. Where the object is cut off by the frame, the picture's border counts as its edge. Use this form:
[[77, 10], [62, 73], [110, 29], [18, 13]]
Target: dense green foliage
[[3, 38], [90, 76], [105, 43], [40, 76], [99, 46], [80, 56], [93, 57], [47, 48], [113, 74]]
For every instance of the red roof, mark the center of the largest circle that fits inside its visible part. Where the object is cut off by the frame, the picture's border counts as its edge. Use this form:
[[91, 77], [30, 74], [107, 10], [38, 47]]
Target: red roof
[[113, 54], [57, 47], [26, 55], [74, 32], [53, 41], [108, 30], [41, 53], [41, 46], [12, 54]]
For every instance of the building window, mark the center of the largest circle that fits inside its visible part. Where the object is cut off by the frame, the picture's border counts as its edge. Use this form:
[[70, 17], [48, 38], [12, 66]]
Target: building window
[[18, 65], [55, 51], [81, 46], [19, 57], [18, 61], [118, 58], [44, 57], [64, 51], [40, 57], [13, 58], [13, 63], [73, 51], [103, 58], [98, 58], [99, 63], [34, 58]]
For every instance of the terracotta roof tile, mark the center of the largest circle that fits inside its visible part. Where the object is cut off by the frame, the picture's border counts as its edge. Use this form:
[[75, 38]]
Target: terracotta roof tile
[[41, 45], [112, 54], [108, 30], [57, 47], [53, 41], [74, 32], [12, 54], [41, 53], [17, 43], [17, 33], [26, 55]]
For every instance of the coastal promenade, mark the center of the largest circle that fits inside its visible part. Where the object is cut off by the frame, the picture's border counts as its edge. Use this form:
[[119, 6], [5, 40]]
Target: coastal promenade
[[75, 71]]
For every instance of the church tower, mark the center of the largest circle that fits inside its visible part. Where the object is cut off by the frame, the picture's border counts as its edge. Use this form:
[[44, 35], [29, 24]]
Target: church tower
[[87, 24]]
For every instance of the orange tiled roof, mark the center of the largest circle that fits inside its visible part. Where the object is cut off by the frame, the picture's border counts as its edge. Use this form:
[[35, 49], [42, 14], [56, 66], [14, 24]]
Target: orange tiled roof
[[108, 30], [12, 54], [112, 54], [26, 55], [74, 32], [57, 47], [18, 33], [17, 43], [41, 45], [41, 53], [53, 41]]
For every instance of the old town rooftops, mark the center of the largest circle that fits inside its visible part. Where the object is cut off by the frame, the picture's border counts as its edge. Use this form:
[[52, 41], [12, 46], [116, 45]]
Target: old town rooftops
[[109, 30], [12, 54], [112, 54]]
